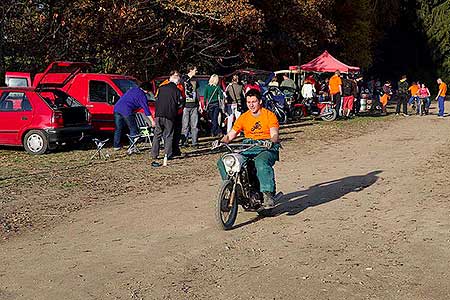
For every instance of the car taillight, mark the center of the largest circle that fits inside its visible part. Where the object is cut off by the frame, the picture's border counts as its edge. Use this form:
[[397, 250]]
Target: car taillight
[[57, 119]]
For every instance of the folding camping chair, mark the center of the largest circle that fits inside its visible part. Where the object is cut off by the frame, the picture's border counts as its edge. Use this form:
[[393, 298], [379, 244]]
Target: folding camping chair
[[99, 143], [145, 133]]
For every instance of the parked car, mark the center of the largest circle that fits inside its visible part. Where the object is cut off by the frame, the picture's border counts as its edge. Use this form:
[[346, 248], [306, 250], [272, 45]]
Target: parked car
[[41, 119], [98, 92]]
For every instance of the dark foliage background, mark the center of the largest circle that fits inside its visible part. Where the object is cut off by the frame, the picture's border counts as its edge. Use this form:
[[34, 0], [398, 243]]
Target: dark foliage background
[[145, 38]]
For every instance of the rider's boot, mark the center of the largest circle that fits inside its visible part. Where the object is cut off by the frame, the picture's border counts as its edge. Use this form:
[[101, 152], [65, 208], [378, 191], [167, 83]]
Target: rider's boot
[[268, 200]]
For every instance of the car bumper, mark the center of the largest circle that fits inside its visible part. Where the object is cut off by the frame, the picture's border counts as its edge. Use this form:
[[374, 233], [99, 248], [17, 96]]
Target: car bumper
[[69, 134]]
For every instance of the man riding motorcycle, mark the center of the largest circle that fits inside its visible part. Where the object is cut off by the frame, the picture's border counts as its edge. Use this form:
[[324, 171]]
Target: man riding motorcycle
[[261, 126]]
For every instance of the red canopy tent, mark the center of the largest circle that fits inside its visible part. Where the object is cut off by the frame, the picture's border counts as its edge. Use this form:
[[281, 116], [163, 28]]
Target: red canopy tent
[[327, 63]]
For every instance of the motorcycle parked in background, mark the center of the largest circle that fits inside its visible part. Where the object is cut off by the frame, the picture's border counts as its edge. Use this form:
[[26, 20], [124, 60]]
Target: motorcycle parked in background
[[313, 107], [275, 101]]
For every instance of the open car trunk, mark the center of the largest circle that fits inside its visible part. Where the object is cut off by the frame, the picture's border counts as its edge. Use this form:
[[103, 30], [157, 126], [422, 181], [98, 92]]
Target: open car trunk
[[73, 113]]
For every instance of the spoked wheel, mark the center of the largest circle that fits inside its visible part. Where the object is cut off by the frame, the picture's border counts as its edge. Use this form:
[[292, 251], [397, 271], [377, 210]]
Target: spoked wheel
[[330, 114], [226, 206]]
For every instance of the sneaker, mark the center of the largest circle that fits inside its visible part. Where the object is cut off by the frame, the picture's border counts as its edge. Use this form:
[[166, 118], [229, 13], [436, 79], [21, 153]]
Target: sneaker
[[397, 114], [268, 200], [405, 115], [117, 148]]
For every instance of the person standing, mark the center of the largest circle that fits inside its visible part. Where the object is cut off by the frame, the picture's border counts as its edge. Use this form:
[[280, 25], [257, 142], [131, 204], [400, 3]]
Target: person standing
[[168, 101], [191, 107], [441, 96], [274, 82], [402, 98], [251, 84], [424, 97], [234, 93], [214, 103], [124, 111], [387, 92], [335, 87], [308, 90], [349, 98], [287, 82], [413, 89]]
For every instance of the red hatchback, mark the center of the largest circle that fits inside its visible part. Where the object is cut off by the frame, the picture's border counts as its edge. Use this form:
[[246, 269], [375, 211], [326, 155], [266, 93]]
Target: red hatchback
[[40, 119]]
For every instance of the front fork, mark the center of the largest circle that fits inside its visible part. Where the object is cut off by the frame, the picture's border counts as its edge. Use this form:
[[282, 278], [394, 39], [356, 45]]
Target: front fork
[[233, 191]]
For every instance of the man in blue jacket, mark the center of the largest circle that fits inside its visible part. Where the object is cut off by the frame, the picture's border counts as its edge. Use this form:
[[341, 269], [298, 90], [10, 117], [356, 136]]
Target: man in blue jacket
[[124, 111]]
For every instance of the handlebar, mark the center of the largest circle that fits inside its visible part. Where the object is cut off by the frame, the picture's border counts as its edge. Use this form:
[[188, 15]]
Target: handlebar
[[245, 146]]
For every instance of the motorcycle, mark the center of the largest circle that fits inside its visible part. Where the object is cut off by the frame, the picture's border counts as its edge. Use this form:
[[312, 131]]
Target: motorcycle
[[312, 107], [275, 101], [292, 97], [241, 187]]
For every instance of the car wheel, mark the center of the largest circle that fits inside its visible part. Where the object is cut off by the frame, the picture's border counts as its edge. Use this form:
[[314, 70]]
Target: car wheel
[[35, 142]]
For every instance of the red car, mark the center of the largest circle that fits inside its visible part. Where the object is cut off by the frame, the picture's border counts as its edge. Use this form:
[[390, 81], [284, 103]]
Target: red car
[[98, 92], [39, 119]]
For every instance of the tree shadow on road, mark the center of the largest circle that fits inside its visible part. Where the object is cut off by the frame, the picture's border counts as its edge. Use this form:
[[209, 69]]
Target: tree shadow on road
[[295, 202]]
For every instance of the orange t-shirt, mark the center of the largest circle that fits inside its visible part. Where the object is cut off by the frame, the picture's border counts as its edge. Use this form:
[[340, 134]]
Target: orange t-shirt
[[414, 89], [443, 88], [256, 128], [335, 82]]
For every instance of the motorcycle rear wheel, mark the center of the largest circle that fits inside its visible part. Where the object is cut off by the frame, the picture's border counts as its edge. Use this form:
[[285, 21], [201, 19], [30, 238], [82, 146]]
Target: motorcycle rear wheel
[[226, 215]]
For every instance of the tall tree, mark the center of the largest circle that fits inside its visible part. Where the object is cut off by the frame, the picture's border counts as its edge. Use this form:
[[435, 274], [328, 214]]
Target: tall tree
[[435, 16]]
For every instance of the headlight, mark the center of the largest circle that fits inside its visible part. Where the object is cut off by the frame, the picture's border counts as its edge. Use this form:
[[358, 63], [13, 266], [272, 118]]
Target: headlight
[[229, 161]]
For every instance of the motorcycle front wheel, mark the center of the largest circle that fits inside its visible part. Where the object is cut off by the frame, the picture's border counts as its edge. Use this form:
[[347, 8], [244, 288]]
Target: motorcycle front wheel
[[226, 213]]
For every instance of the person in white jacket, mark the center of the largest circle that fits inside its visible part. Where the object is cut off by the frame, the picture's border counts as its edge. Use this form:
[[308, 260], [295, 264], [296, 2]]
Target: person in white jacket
[[308, 90]]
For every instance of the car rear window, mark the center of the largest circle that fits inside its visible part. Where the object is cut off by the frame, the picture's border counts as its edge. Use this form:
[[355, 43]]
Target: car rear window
[[125, 84], [58, 99]]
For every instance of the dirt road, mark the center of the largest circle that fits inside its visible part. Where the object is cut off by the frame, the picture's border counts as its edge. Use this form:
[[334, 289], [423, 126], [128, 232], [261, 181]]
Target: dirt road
[[363, 218]]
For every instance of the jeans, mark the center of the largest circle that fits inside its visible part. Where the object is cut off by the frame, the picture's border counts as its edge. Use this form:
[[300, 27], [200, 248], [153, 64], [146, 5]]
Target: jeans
[[412, 100], [233, 114], [120, 122], [190, 123], [264, 161], [402, 99], [164, 128], [213, 113], [441, 101]]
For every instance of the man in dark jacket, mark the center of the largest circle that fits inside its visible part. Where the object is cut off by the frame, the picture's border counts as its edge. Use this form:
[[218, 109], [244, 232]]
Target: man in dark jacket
[[166, 106], [402, 96]]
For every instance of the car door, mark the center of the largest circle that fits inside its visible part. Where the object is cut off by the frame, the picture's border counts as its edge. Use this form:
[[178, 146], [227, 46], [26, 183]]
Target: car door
[[102, 97], [16, 114]]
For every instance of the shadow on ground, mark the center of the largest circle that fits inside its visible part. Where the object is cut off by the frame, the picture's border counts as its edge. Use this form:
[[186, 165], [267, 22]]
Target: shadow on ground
[[295, 202]]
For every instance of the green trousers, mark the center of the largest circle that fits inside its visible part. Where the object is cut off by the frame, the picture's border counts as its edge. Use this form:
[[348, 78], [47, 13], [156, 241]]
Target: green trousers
[[264, 160]]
